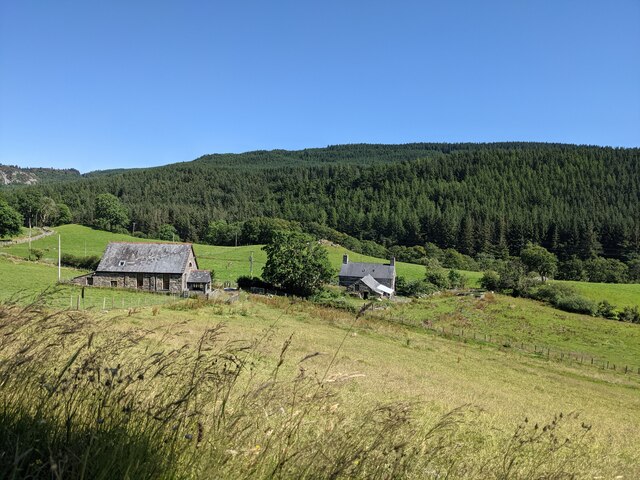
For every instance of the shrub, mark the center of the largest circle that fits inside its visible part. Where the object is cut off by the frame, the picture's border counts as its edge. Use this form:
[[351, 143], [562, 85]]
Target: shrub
[[490, 280], [456, 279], [629, 314], [414, 288], [552, 292], [576, 304], [247, 283], [89, 262], [438, 277], [36, 254], [606, 310]]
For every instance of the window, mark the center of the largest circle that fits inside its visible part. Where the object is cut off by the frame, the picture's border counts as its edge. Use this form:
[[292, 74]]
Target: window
[[89, 281], [114, 283], [122, 263]]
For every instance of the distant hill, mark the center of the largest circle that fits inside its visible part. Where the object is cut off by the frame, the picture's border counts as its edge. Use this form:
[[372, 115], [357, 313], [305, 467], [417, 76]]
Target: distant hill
[[14, 175], [477, 198]]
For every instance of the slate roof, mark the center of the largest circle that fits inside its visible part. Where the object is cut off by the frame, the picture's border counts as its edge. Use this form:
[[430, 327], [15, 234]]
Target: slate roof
[[145, 258], [199, 276], [376, 270], [371, 282]]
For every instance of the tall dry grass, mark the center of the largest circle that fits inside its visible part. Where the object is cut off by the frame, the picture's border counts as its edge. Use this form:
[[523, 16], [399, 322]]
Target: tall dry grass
[[79, 399]]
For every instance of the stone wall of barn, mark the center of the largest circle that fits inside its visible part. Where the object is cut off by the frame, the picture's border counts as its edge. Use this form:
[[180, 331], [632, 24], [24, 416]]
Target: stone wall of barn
[[151, 282]]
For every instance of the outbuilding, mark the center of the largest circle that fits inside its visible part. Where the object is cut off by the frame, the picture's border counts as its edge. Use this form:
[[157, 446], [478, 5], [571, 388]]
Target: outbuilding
[[153, 267]]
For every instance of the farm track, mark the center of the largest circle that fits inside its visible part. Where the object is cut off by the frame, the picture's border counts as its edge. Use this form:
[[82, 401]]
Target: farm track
[[45, 233]]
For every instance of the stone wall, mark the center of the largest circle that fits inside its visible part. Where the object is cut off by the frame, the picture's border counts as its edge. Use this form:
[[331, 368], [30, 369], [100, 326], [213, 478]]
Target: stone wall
[[151, 282]]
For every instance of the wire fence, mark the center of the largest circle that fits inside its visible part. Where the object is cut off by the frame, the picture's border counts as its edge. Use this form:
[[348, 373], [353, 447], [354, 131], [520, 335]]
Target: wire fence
[[114, 301], [539, 350]]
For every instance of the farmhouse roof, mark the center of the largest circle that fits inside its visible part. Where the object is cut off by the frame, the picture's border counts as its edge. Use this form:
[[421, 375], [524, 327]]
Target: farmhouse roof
[[199, 276], [371, 282], [376, 270], [145, 257]]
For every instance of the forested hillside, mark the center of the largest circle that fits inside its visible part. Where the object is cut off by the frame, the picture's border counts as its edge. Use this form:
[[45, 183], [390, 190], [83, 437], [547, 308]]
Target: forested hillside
[[574, 200]]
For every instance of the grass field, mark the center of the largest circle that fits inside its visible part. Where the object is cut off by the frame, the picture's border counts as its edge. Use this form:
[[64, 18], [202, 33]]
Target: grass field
[[374, 359], [28, 280], [618, 294], [388, 363], [517, 321]]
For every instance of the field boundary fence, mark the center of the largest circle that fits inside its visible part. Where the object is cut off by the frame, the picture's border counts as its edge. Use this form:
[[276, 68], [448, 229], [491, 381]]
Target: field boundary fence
[[542, 351]]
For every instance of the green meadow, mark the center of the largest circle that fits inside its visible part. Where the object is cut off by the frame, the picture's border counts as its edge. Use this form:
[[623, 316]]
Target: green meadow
[[386, 356], [365, 362], [27, 281], [618, 294], [525, 324]]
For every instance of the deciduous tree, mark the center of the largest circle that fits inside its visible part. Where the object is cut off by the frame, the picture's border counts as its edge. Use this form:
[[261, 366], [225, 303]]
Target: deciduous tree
[[297, 263], [10, 220]]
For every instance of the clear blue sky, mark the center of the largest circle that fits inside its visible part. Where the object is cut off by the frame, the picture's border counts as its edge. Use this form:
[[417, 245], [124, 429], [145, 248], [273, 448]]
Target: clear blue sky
[[96, 85]]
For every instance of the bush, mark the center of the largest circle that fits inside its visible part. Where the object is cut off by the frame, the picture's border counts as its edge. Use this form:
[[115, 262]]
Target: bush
[[415, 288], [490, 280], [577, 304], [629, 314], [456, 279], [606, 310], [89, 262], [36, 254], [247, 283], [438, 277], [552, 292]]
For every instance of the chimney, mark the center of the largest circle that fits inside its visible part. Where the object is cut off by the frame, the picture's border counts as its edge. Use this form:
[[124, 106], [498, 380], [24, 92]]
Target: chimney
[[393, 261], [345, 259]]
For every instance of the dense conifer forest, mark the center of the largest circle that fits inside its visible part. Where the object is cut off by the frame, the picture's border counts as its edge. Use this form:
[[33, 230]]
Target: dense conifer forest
[[580, 201]]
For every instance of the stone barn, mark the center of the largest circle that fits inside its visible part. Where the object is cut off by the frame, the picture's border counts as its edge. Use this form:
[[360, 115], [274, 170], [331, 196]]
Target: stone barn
[[368, 278], [153, 267]]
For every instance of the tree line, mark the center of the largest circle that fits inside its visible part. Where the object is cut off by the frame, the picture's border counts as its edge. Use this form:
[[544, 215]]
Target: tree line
[[579, 202]]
